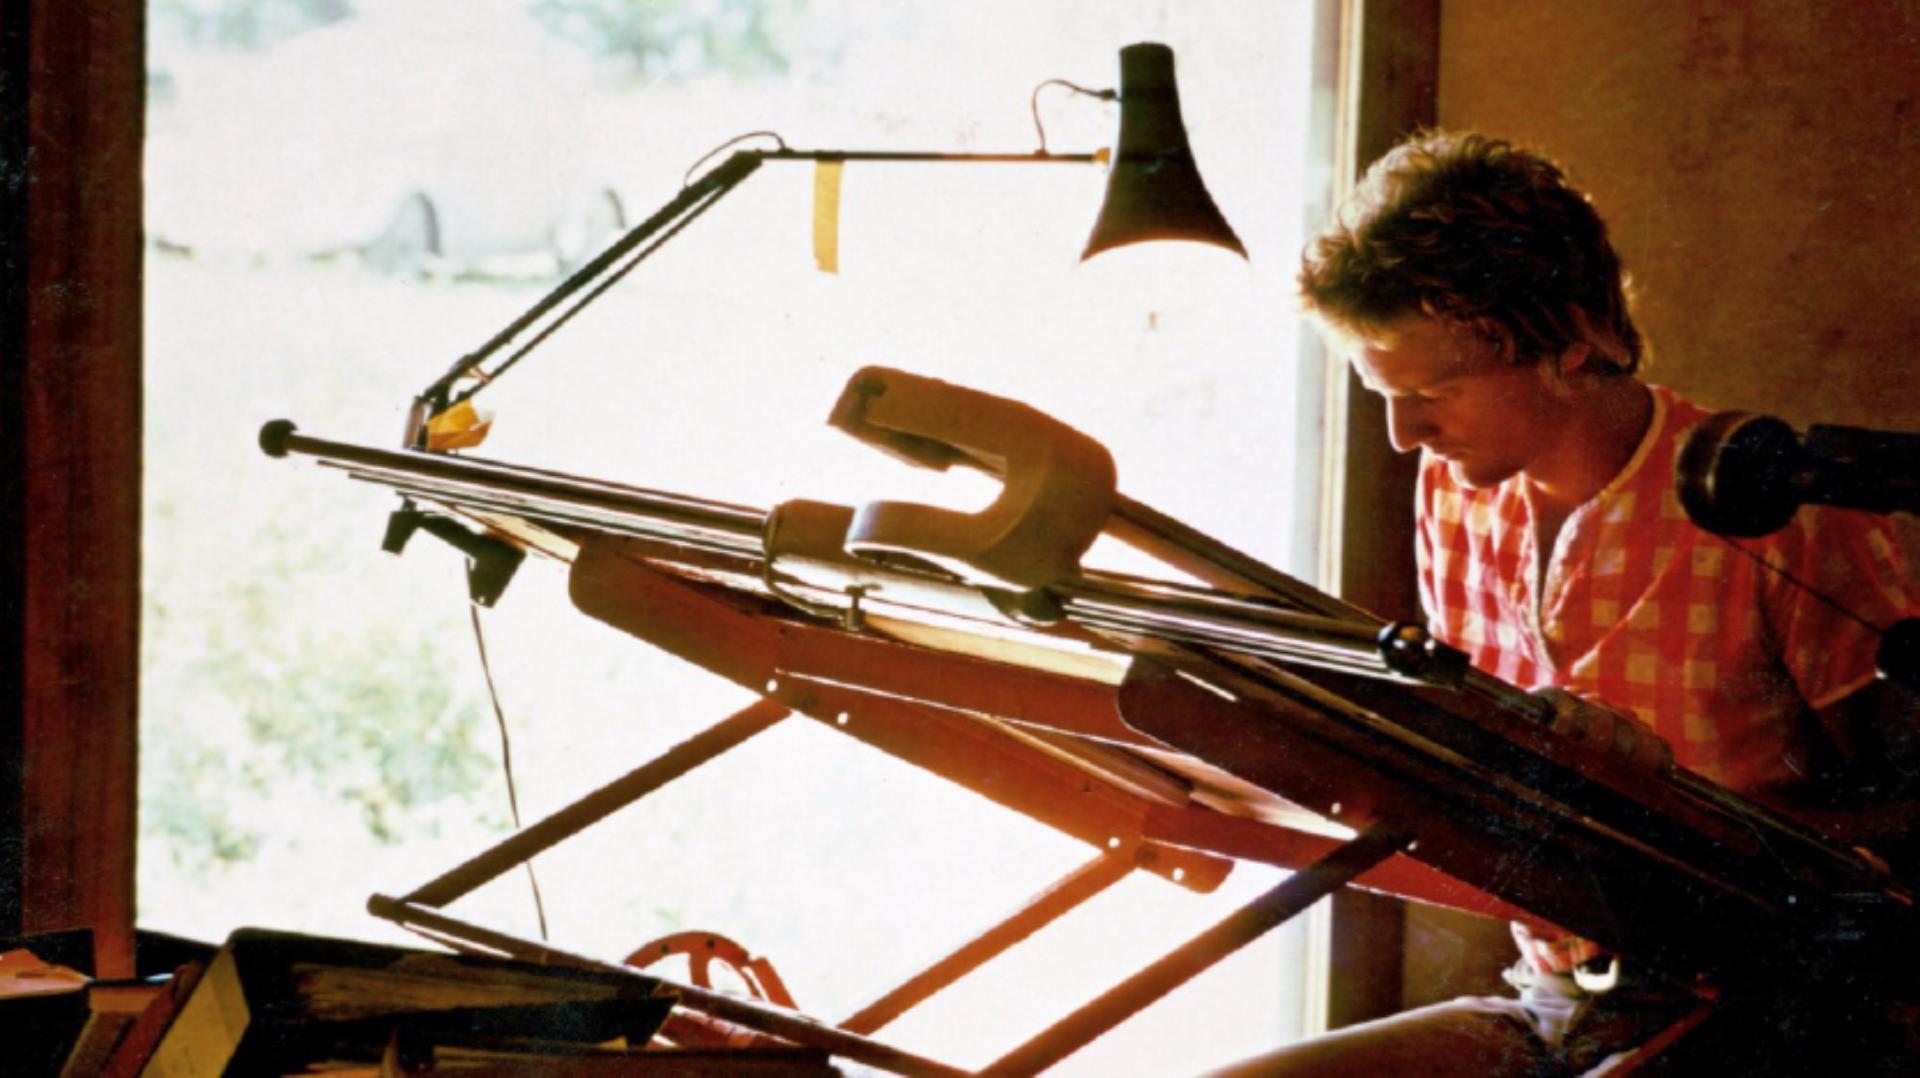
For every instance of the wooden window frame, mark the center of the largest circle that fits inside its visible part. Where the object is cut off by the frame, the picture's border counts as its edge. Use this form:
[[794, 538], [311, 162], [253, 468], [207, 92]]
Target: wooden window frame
[[72, 126], [71, 132]]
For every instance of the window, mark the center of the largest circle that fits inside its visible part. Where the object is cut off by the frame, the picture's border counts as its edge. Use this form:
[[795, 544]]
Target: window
[[344, 198]]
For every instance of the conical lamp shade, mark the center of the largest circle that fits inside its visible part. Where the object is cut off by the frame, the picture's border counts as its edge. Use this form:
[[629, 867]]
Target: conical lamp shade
[[1154, 191]]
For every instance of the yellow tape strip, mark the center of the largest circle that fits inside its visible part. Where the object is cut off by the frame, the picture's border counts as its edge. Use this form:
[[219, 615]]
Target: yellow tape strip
[[459, 427], [826, 215]]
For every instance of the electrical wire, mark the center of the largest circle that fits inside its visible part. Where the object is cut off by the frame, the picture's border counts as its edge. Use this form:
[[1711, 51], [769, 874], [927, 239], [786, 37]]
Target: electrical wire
[[470, 366], [506, 760], [483, 378], [687, 179], [611, 279], [1781, 571], [1033, 104]]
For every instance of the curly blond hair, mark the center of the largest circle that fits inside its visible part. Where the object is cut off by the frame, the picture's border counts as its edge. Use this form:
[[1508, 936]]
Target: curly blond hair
[[1480, 233]]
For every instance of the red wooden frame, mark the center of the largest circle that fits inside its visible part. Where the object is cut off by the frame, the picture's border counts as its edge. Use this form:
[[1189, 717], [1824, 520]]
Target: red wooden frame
[[1050, 746]]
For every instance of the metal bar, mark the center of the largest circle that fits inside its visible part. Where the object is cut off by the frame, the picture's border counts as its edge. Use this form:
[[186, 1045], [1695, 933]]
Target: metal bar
[[605, 281], [1216, 564], [724, 177], [1240, 928], [1745, 814], [1067, 894], [693, 200], [1037, 157], [522, 846], [1243, 625], [1268, 644], [1156, 534], [761, 1017], [545, 493], [1246, 839], [490, 509], [1120, 596]]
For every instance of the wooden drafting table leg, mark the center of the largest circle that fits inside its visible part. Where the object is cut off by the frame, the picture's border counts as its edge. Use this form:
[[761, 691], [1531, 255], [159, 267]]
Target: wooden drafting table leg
[[1240, 928], [762, 1017], [1067, 894], [598, 805]]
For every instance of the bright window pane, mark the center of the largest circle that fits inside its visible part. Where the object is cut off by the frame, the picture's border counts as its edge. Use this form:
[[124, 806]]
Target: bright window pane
[[345, 198]]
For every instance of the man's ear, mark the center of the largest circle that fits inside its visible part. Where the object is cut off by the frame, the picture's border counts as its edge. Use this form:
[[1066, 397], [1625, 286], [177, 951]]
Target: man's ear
[[1590, 352], [1574, 359], [1564, 374]]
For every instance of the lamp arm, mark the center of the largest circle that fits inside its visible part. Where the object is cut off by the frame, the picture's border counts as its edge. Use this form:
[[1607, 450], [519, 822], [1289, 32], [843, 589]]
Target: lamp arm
[[693, 199], [1032, 157], [619, 259]]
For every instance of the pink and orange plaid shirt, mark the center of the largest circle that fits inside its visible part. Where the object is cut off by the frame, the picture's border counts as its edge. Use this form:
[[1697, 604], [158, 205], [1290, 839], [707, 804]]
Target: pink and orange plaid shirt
[[1639, 608]]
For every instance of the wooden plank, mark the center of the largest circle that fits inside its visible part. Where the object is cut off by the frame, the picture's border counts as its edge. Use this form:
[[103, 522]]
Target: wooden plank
[[70, 407], [1391, 84]]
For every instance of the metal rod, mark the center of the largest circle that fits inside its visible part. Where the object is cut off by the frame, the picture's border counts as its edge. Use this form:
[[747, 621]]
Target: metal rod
[[694, 535], [1240, 928], [1160, 536], [1066, 895], [1216, 564], [544, 493], [605, 281], [693, 200], [1037, 157], [1260, 646], [1742, 812], [521, 847], [723, 178], [1122, 595], [762, 1017], [1243, 624]]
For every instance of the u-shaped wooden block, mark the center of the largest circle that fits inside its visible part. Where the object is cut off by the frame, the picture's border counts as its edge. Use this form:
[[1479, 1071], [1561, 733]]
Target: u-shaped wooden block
[[1057, 492]]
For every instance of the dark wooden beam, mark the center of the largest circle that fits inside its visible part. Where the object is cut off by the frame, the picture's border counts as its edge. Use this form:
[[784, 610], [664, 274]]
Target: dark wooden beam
[[1398, 62], [70, 467], [1391, 64]]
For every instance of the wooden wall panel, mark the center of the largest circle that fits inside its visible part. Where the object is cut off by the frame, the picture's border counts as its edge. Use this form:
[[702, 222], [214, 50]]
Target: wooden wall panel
[[1391, 59], [1758, 162]]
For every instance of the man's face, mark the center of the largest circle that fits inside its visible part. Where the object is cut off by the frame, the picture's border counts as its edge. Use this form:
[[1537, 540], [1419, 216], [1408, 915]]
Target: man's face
[[1450, 391]]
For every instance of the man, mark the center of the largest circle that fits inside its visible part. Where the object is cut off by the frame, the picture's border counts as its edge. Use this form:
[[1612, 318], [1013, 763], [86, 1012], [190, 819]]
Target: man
[[1477, 292]]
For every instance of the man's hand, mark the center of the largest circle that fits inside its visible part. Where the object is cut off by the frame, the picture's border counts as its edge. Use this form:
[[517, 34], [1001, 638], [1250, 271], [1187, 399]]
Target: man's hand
[[1607, 732]]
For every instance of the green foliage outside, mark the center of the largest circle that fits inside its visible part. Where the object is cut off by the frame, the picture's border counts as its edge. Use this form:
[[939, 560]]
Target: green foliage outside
[[248, 705], [675, 38], [365, 712], [670, 38], [243, 24]]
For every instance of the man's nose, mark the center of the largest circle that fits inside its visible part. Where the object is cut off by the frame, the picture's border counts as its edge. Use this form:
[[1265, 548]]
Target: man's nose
[[1407, 425]]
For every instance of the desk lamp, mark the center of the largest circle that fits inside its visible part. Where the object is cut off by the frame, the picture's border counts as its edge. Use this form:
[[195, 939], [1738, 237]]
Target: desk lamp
[[1154, 193]]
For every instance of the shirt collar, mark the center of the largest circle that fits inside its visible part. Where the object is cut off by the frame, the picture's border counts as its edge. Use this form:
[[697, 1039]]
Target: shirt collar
[[1656, 430]]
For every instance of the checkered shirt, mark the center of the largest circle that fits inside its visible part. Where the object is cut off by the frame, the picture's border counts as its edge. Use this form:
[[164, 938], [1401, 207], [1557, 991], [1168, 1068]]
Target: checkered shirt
[[1641, 609]]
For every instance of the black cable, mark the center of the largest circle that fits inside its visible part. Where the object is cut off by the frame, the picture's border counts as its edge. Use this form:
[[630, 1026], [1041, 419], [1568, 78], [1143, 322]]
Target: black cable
[[506, 760], [687, 179], [1803, 586], [580, 305], [1033, 104], [722, 179]]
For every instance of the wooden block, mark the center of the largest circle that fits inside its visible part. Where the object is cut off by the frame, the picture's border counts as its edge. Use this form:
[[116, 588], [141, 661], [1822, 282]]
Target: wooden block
[[276, 1003]]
